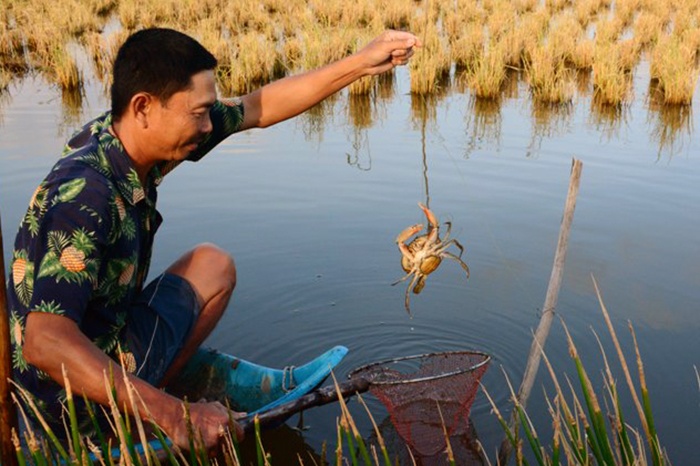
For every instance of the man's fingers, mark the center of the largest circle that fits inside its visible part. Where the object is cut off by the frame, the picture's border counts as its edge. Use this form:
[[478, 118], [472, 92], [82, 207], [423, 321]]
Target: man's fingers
[[408, 39], [403, 53]]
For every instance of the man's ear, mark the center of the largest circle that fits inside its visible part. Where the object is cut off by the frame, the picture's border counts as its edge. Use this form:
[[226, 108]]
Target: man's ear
[[141, 104]]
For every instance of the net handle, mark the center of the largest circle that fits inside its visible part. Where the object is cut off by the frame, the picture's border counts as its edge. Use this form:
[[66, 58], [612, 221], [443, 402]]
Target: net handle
[[355, 385], [486, 359]]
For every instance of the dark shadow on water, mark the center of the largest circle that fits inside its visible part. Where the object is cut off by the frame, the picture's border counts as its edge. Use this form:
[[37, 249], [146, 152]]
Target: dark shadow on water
[[284, 445]]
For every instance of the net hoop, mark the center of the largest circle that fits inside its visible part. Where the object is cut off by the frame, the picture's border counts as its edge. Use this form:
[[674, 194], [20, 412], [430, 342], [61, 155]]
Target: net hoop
[[376, 379]]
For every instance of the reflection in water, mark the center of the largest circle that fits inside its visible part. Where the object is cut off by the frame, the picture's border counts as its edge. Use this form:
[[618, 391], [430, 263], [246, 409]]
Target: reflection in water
[[5, 100], [386, 84], [313, 121], [424, 110], [71, 109], [671, 125], [608, 119], [548, 121], [510, 88], [360, 115], [360, 146], [360, 110], [483, 125]]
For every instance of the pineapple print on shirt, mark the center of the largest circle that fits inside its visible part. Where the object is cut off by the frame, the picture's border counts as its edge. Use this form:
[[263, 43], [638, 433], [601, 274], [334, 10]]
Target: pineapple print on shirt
[[83, 247]]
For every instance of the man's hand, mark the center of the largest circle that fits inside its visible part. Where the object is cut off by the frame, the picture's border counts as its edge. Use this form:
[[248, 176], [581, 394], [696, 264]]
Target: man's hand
[[210, 422], [389, 49]]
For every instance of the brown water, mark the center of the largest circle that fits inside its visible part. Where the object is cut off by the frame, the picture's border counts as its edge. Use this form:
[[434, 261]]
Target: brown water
[[310, 210]]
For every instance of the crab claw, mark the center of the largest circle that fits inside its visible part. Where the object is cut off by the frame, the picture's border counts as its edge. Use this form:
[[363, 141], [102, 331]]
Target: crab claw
[[408, 232], [432, 219]]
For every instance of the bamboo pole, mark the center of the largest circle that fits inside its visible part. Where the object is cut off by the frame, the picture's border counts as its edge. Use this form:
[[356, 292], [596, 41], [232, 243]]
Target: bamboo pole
[[8, 412], [550, 303]]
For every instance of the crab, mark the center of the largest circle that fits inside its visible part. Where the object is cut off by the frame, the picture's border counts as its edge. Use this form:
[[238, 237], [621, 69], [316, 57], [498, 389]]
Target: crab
[[423, 255]]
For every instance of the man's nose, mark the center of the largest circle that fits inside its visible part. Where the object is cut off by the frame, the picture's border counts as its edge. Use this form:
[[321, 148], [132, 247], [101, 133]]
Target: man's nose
[[206, 127]]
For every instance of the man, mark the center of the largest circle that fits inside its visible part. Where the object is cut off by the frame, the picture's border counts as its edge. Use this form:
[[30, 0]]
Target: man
[[76, 297]]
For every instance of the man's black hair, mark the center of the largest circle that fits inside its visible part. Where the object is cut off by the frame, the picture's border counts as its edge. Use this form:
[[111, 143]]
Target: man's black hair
[[158, 61]]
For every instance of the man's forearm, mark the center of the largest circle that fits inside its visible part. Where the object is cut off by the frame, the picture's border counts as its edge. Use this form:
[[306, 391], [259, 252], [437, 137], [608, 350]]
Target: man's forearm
[[54, 342], [290, 96]]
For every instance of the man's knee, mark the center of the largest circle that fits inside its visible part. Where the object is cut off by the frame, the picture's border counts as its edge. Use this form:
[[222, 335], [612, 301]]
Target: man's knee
[[216, 262], [208, 268]]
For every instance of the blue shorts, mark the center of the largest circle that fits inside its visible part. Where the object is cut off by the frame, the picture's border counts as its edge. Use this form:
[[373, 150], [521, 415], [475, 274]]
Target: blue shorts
[[158, 324]]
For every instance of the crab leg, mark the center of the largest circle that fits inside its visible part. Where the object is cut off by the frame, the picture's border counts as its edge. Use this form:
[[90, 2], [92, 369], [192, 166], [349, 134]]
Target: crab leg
[[456, 243], [407, 298], [461, 262], [403, 278], [446, 237]]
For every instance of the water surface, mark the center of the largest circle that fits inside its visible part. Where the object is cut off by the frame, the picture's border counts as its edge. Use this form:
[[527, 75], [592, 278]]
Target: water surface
[[310, 210]]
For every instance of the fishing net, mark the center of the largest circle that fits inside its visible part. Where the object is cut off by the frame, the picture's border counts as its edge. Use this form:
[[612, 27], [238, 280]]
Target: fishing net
[[428, 396]]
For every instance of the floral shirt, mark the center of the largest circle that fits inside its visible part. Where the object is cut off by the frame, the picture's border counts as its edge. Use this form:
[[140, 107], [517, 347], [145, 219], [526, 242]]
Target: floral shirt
[[84, 245]]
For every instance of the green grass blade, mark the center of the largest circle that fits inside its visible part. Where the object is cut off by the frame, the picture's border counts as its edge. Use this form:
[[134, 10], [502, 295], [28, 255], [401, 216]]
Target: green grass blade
[[380, 438], [76, 445], [532, 439], [657, 457], [166, 448], [18, 449], [101, 440], [626, 450], [29, 402], [351, 446], [599, 441]]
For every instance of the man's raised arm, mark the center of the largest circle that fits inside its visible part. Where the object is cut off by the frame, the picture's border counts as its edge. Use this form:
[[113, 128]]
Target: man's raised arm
[[293, 95]]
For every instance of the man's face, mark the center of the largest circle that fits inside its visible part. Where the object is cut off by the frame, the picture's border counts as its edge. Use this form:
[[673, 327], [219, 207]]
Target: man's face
[[177, 127]]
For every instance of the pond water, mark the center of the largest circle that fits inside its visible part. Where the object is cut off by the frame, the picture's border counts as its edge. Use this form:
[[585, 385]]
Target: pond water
[[310, 210]]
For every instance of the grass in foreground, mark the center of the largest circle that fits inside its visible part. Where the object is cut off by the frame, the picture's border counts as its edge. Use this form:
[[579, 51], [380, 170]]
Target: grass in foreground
[[583, 433], [588, 427]]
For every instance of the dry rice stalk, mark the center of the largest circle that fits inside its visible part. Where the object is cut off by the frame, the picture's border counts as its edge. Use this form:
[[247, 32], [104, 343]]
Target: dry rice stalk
[[488, 74], [673, 64], [549, 80], [610, 82]]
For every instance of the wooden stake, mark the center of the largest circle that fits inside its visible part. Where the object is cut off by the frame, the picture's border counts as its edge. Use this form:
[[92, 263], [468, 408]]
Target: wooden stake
[[550, 303], [8, 411]]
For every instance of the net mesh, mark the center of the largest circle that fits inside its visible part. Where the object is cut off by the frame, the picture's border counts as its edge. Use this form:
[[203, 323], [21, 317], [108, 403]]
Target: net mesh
[[423, 393]]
